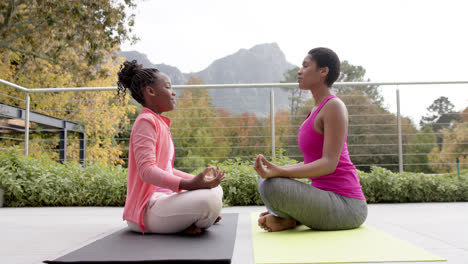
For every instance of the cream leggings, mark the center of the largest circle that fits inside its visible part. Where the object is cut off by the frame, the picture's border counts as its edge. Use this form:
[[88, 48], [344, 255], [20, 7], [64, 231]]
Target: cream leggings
[[172, 213]]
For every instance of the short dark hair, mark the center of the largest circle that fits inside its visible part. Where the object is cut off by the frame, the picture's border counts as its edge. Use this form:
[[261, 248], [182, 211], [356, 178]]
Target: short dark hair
[[134, 77], [325, 57]]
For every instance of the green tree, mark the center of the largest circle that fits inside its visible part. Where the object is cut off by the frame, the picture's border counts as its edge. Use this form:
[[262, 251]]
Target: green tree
[[297, 99], [356, 73], [194, 129], [440, 115], [296, 95], [77, 35], [417, 152], [455, 146], [102, 115], [243, 133], [123, 135], [67, 44], [464, 115]]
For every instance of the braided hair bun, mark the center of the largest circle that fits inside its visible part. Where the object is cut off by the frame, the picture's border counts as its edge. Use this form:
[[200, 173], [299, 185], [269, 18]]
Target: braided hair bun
[[134, 77]]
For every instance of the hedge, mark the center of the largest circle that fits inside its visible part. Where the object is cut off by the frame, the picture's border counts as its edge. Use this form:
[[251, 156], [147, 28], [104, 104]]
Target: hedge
[[31, 182]]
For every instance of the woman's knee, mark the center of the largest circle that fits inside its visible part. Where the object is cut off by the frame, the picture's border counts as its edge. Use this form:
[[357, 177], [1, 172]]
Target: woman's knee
[[357, 214], [361, 214], [350, 218], [219, 191], [212, 200], [269, 188], [271, 192]]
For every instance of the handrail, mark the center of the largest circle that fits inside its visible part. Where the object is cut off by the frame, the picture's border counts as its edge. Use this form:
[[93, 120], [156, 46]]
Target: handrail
[[224, 86]]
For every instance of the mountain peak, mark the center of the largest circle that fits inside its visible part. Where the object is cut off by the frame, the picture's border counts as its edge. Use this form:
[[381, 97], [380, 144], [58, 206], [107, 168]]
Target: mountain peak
[[259, 64], [141, 58], [262, 63], [266, 46]]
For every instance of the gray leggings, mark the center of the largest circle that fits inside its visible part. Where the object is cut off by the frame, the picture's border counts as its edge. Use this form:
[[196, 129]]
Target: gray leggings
[[315, 208]]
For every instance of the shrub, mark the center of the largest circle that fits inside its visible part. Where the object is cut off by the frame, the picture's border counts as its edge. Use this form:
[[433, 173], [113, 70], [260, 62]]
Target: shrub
[[30, 182], [381, 185]]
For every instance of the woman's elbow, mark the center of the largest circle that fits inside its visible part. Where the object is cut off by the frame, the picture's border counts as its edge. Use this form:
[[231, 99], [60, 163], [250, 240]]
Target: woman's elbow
[[143, 177], [144, 174], [331, 165]]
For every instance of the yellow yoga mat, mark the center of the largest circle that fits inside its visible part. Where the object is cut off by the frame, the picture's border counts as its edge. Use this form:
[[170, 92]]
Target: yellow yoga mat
[[302, 245]]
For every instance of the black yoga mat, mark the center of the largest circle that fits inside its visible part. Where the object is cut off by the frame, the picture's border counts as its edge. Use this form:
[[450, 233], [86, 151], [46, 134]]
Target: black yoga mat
[[215, 245]]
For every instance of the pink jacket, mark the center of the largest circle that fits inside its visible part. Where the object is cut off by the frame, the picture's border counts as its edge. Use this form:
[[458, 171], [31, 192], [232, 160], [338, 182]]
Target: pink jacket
[[148, 156]]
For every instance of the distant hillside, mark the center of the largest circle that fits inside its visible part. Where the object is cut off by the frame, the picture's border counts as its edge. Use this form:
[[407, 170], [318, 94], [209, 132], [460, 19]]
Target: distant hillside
[[264, 63], [176, 75]]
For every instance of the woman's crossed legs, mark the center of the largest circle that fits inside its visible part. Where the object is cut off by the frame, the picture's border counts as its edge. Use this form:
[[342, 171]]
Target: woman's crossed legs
[[188, 211], [289, 201]]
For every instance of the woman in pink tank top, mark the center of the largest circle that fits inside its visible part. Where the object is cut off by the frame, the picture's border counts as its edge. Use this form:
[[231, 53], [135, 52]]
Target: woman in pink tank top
[[334, 200]]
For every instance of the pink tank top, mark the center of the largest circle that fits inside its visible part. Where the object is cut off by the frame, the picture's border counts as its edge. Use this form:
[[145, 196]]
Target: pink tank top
[[344, 180]]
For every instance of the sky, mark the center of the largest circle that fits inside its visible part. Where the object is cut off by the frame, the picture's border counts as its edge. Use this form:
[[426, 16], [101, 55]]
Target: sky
[[397, 41]]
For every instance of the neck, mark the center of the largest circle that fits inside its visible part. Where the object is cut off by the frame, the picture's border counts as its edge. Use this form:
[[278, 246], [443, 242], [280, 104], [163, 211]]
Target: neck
[[153, 109], [320, 94]]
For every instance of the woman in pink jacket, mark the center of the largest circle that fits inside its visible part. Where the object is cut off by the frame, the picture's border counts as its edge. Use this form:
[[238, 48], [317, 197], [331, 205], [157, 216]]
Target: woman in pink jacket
[[161, 199]]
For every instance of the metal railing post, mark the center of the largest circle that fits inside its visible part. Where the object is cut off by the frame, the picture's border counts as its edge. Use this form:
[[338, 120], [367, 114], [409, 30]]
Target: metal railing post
[[83, 148], [26, 126], [400, 143], [272, 121], [63, 145]]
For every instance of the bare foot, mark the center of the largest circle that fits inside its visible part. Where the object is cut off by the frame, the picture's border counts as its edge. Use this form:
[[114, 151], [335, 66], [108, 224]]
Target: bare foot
[[261, 219], [192, 230], [264, 213], [273, 223], [218, 219]]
